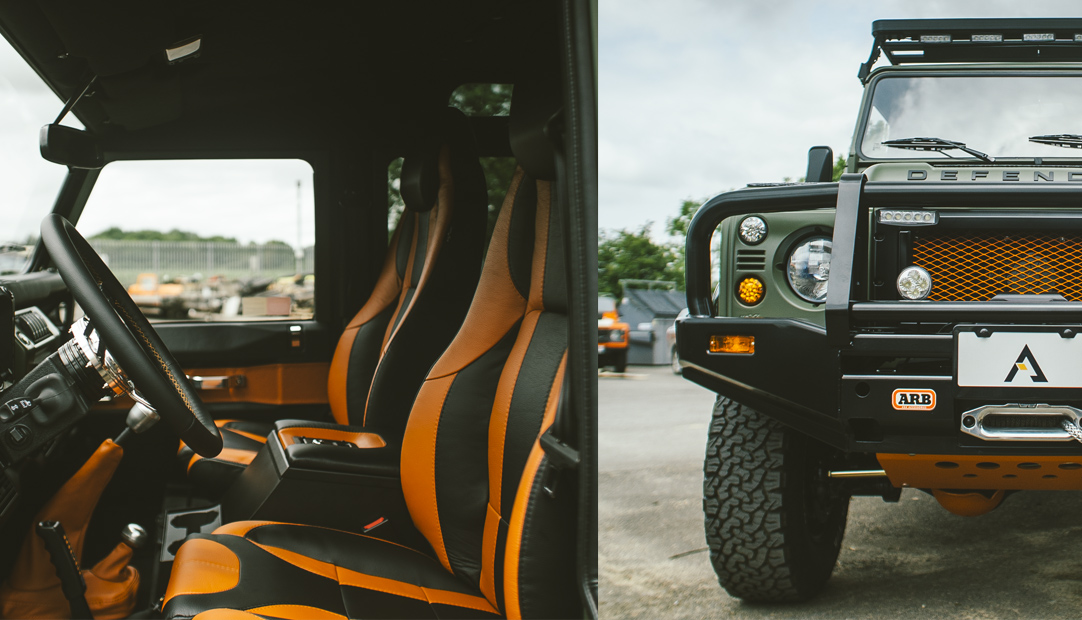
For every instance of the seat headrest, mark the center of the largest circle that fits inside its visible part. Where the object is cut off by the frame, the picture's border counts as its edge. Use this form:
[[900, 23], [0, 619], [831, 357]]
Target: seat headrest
[[420, 182], [534, 105]]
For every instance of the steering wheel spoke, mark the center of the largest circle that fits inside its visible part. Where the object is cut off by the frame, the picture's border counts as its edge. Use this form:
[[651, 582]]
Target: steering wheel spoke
[[124, 343]]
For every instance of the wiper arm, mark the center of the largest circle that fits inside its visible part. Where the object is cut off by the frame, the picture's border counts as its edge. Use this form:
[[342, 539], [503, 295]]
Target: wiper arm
[[935, 144], [1067, 140]]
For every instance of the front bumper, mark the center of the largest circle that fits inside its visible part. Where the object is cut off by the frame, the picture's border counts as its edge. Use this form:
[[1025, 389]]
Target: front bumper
[[837, 383]]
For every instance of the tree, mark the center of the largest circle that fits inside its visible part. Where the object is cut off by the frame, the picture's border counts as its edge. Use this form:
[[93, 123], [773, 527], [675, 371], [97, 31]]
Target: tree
[[678, 226], [624, 254], [839, 168], [118, 234]]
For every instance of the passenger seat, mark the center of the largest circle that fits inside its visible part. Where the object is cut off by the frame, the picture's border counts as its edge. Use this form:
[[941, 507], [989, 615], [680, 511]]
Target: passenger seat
[[423, 292]]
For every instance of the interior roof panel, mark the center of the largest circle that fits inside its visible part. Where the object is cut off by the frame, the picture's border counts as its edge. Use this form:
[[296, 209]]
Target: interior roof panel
[[301, 64]]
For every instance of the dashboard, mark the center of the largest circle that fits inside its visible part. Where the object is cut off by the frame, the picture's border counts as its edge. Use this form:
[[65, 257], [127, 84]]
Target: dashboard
[[28, 337]]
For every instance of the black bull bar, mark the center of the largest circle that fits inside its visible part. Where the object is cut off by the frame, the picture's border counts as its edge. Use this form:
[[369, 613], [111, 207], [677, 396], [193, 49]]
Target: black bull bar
[[795, 374]]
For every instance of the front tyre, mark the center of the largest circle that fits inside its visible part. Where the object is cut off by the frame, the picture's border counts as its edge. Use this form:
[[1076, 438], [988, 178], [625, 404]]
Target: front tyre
[[774, 523], [620, 363]]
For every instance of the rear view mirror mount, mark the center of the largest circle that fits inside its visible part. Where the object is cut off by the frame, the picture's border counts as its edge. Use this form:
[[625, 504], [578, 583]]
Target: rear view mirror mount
[[70, 147]]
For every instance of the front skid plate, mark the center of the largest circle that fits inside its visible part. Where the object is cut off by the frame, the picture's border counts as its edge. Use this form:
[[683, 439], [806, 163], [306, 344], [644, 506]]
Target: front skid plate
[[944, 471]]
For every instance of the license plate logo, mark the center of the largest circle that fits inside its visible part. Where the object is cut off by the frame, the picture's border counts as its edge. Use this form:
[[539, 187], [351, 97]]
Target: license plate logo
[[913, 400], [1029, 367]]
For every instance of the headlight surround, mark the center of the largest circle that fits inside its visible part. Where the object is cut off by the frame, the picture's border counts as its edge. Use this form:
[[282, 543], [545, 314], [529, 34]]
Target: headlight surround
[[616, 335], [809, 268]]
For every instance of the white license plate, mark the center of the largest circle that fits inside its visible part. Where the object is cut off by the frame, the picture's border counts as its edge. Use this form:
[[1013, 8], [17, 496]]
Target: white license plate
[[1019, 359], [600, 349]]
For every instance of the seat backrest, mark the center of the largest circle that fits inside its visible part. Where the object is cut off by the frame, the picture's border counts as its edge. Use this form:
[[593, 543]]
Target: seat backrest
[[424, 289], [470, 453]]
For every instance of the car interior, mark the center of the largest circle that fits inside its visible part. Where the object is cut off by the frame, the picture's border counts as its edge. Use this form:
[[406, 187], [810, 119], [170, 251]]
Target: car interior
[[393, 416]]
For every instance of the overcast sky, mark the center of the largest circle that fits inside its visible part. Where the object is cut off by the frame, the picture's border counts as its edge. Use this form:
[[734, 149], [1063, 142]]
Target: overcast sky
[[252, 201], [699, 97]]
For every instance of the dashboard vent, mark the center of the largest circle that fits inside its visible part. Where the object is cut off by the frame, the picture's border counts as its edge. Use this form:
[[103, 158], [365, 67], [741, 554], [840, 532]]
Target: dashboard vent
[[750, 260]]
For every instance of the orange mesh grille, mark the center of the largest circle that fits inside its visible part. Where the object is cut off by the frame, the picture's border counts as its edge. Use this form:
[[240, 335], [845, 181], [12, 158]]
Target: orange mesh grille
[[977, 267]]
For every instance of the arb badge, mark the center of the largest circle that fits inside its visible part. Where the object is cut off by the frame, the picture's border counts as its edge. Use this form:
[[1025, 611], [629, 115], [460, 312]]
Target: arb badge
[[919, 400]]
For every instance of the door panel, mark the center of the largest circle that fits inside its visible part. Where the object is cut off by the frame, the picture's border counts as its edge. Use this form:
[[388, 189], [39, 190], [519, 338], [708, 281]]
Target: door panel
[[263, 370], [250, 343]]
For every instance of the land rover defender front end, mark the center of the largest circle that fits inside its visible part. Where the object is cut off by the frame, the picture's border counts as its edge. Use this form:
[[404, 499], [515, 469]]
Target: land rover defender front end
[[912, 325]]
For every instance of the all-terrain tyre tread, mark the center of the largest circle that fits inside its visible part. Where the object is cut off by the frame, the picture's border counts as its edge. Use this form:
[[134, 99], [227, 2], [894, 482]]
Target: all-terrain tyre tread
[[743, 499]]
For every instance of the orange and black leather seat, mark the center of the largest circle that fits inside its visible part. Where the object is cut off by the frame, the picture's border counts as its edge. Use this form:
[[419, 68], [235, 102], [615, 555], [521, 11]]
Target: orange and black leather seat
[[473, 473], [417, 305]]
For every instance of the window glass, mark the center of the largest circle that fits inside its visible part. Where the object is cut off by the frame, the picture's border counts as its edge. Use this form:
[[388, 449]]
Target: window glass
[[483, 99], [29, 183], [994, 114], [208, 240]]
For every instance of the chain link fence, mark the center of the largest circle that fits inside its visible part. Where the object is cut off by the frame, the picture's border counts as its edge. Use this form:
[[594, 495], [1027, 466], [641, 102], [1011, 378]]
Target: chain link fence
[[201, 259]]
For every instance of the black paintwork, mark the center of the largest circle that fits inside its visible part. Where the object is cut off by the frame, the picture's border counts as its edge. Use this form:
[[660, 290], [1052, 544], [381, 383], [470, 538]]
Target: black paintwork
[[835, 384]]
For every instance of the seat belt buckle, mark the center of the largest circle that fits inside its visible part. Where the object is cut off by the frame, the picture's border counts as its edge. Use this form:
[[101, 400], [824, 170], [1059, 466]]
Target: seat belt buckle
[[561, 456]]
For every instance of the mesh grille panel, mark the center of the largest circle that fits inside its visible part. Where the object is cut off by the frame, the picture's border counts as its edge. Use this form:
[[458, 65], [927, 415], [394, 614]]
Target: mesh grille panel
[[977, 267]]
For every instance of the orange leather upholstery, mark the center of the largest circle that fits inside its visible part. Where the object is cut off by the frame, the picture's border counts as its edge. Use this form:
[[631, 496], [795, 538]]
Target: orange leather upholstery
[[473, 472], [416, 307], [33, 589], [361, 440]]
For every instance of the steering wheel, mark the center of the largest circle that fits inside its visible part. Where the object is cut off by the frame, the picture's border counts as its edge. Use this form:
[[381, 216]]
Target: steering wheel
[[129, 337]]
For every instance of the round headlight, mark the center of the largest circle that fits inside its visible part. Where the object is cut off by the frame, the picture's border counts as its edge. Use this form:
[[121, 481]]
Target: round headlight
[[914, 283], [616, 335], [809, 269], [752, 230]]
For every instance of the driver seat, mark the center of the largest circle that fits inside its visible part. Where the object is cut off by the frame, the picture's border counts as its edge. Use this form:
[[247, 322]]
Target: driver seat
[[498, 516]]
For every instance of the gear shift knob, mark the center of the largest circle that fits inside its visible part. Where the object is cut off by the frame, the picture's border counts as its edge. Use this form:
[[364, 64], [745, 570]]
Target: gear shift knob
[[134, 535]]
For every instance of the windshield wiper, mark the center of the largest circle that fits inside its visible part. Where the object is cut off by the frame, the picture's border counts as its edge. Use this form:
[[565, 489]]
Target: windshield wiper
[[1067, 140], [935, 144]]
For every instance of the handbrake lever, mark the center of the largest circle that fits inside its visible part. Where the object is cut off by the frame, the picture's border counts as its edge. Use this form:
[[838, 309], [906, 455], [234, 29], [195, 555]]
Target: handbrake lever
[[67, 568]]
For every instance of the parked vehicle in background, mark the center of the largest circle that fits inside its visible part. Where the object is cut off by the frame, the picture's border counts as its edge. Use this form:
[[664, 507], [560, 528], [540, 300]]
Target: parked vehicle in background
[[943, 355], [670, 336], [613, 335]]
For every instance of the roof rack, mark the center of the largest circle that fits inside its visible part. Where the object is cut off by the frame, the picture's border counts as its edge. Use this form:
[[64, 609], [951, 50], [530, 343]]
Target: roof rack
[[907, 41]]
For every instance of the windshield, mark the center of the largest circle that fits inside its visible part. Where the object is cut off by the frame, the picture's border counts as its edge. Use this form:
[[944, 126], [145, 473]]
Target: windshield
[[28, 183], [995, 114]]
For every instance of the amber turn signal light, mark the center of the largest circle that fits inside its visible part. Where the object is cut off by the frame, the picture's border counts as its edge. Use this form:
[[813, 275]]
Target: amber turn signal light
[[733, 344], [750, 290]]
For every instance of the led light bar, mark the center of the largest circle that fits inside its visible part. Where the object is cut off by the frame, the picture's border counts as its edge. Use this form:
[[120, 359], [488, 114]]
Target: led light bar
[[935, 38], [1039, 36], [907, 218], [988, 38]]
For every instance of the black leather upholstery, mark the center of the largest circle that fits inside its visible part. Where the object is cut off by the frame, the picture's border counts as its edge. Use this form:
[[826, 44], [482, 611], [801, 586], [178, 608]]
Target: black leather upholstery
[[472, 471], [381, 461], [424, 292]]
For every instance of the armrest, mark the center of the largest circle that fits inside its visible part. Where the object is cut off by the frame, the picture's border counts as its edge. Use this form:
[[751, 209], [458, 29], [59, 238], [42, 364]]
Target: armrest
[[318, 446]]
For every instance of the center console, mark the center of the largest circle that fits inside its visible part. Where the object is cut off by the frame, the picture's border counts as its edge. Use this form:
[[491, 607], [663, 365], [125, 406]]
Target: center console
[[329, 475]]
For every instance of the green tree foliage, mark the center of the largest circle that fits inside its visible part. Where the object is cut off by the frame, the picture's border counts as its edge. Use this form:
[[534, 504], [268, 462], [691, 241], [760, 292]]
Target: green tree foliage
[[624, 254], [116, 233], [839, 168], [678, 226]]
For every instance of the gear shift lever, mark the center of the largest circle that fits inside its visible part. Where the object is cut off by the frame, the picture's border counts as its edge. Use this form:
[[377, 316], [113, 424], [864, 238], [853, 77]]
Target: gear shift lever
[[134, 535]]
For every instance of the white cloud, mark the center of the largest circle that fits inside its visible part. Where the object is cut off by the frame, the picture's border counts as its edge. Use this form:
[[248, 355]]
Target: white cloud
[[697, 98]]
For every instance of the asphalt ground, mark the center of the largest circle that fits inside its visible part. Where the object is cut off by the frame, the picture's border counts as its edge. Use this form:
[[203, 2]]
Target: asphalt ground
[[906, 560]]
